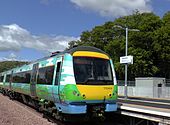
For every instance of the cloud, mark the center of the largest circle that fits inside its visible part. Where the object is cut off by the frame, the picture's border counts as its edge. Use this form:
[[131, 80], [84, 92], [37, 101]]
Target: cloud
[[13, 37], [114, 8], [10, 57]]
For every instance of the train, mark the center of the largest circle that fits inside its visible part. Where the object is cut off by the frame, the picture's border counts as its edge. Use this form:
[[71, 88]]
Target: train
[[77, 81]]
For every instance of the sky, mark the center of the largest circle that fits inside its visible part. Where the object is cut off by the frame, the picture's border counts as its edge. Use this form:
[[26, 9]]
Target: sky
[[32, 29]]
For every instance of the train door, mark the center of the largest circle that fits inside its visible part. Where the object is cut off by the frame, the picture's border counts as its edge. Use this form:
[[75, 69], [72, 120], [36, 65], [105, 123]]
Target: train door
[[10, 81], [56, 87], [34, 80]]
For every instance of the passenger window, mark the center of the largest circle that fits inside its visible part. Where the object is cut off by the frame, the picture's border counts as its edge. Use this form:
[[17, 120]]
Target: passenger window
[[45, 75], [21, 77]]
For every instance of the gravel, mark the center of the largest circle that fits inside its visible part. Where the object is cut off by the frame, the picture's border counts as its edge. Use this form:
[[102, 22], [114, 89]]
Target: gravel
[[13, 113], [16, 113]]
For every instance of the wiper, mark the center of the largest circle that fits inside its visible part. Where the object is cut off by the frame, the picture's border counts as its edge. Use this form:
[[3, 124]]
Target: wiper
[[104, 81], [88, 79], [108, 82]]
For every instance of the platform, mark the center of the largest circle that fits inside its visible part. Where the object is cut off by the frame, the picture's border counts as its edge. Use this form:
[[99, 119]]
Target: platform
[[155, 111]]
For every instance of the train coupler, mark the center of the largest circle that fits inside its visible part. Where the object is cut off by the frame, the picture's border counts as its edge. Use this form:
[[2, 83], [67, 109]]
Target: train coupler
[[97, 111]]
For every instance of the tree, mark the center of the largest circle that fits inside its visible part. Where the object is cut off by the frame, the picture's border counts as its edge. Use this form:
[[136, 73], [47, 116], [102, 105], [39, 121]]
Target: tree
[[6, 65], [161, 47], [150, 47]]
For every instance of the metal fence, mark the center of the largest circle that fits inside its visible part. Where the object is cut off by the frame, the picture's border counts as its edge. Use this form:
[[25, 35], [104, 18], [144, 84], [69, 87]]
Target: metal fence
[[122, 83], [157, 91]]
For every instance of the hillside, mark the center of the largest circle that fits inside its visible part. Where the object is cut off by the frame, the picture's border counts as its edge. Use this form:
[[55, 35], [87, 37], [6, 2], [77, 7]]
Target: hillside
[[6, 65]]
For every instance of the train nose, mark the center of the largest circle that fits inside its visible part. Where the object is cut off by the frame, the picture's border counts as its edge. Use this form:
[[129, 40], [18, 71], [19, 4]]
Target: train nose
[[92, 92]]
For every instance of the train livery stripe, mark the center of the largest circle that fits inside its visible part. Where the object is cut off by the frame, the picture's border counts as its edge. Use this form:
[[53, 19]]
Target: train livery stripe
[[91, 92], [90, 54]]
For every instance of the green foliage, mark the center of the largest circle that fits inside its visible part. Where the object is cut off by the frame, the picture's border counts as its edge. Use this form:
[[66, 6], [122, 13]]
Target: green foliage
[[150, 47], [6, 65]]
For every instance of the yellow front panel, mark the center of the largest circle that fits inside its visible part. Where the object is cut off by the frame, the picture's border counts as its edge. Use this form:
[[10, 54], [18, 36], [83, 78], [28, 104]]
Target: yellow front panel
[[96, 92], [90, 54]]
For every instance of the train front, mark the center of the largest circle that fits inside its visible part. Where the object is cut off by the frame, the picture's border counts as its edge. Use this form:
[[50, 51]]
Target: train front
[[94, 89], [96, 81]]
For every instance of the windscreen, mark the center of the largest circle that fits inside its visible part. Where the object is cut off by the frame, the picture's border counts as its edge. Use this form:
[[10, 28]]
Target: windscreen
[[92, 71]]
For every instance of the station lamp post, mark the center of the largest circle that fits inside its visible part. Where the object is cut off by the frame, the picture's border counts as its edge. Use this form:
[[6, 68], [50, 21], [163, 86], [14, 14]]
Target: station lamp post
[[126, 54]]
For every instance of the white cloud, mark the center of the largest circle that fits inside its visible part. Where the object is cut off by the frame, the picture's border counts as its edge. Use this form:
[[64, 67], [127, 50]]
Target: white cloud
[[13, 37], [114, 8], [10, 57], [13, 57]]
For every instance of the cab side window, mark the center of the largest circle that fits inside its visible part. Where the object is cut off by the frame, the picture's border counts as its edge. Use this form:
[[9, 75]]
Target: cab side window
[[7, 78], [57, 73]]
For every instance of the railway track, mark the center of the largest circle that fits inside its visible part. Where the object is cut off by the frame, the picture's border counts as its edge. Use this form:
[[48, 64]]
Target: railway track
[[16, 113], [48, 120], [45, 119]]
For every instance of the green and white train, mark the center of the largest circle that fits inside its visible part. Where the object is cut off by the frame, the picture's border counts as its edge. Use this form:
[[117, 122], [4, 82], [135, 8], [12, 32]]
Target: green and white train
[[77, 81]]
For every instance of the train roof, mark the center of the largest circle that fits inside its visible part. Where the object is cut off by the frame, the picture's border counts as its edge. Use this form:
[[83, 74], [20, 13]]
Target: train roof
[[84, 48], [70, 51]]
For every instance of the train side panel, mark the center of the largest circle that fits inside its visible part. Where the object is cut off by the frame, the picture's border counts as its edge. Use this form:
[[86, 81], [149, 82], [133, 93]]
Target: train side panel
[[44, 89]]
